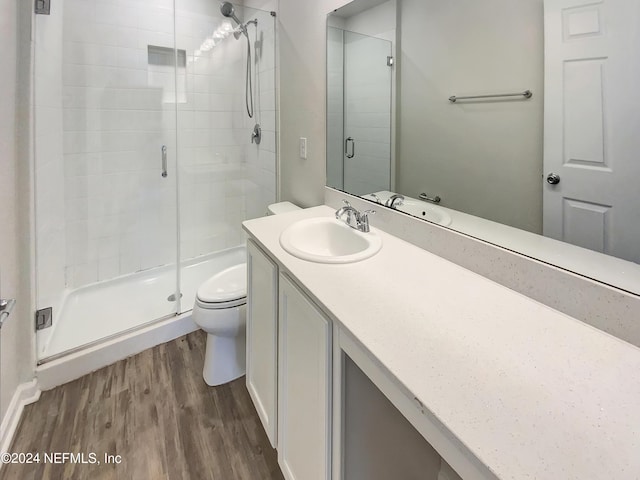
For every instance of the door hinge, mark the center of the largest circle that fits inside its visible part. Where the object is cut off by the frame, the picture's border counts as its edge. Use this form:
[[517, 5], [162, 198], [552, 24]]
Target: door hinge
[[44, 318], [42, 7], [390, 61]]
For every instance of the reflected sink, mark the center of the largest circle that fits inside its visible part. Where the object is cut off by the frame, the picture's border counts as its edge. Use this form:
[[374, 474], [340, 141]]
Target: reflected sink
[[417, 208], [423, 210], [327, 240]]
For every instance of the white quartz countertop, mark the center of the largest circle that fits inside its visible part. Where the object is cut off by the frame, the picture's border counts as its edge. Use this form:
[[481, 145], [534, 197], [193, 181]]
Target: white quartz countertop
[[531, 392]]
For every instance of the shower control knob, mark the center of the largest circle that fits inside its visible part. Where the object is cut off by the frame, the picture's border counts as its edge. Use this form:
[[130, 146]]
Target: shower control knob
[[553, 179]]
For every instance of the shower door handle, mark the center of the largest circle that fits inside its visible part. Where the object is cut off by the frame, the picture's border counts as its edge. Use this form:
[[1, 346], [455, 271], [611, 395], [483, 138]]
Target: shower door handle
[[353, 147], [164, 161], [5, 309]]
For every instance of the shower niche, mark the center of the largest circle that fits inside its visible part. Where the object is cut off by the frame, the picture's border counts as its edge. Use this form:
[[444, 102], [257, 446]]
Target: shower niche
[[144, 160]]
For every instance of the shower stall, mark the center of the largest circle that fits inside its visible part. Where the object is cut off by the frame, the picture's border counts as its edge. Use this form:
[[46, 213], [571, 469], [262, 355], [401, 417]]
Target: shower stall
[[146, 158]]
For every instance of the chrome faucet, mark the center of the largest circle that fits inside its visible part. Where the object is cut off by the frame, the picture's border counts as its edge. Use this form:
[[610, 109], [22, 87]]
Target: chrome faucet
[[355, 219], [395, 201], [352, 214]]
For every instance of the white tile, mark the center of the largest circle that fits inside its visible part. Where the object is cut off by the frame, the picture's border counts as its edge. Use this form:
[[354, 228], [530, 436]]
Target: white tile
[[221, 103], [221, 119], [108, 268], [116, 15], [84, 274], [129, 37], [133, 58], [156, 20], [201, 84], [129, 263]]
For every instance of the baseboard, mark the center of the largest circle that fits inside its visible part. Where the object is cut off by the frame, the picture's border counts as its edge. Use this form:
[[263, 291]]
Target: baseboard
[[25, 394], [78, 364]]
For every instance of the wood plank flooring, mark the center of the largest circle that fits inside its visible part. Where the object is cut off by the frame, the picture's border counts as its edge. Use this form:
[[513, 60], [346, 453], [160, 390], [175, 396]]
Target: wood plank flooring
[[155, 411]]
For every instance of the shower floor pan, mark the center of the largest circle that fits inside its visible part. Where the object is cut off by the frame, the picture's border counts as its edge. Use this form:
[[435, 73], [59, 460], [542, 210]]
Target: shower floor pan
[[107, 309]]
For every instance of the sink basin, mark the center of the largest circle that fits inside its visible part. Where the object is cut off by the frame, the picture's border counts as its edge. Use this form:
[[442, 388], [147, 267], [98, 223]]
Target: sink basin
[[327, 240]]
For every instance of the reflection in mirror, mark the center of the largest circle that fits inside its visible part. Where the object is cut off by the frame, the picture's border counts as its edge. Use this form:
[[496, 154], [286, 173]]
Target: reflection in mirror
[[360, 46], [551, 173]]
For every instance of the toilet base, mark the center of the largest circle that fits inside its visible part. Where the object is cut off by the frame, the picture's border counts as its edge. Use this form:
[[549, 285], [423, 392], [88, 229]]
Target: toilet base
[[225, 359]]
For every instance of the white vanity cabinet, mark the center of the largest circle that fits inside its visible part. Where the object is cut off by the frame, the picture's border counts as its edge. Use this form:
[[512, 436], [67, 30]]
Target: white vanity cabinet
[[262, 337], [304, 368], [288, 368], [428, 387]]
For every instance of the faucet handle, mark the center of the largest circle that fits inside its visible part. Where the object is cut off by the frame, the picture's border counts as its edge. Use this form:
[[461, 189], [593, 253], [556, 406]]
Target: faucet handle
[[346, 202], [363, 220], [364, 216]]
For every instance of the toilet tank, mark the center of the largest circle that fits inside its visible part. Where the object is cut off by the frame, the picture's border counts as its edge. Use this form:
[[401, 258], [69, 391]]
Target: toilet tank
[[281, 207]]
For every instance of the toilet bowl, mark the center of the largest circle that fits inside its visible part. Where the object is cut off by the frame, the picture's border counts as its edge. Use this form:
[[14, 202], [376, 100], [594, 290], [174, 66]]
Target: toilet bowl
[[220, 310]]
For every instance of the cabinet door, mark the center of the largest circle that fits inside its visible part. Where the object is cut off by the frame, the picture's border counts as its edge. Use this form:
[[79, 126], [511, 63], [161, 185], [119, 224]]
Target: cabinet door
[[262, 336], [303, 389]]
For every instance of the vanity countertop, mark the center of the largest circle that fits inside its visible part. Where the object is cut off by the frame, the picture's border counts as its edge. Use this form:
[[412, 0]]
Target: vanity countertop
[[529, 391]]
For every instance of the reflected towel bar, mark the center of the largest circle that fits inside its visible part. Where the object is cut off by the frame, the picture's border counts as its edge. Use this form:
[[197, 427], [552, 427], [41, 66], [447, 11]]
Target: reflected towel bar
[[525, 94]]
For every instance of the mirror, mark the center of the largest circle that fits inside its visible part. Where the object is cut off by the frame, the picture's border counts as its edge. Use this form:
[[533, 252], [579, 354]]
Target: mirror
[[515, 122]]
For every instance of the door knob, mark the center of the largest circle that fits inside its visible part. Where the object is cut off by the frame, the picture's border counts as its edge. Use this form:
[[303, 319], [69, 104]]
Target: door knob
[[553, 179]]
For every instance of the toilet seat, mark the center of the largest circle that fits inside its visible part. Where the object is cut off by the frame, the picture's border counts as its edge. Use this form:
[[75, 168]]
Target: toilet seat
[[221, 305], [227, 289]]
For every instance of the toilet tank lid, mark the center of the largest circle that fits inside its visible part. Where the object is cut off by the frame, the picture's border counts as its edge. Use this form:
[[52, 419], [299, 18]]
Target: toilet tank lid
[[228, 285], [281, 207]]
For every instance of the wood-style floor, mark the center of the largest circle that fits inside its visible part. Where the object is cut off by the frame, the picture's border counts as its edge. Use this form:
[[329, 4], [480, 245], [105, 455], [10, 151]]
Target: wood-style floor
[[155, 411]]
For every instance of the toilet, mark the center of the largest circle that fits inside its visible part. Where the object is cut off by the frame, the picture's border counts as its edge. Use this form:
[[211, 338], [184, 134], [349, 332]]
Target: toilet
[[220, 310]]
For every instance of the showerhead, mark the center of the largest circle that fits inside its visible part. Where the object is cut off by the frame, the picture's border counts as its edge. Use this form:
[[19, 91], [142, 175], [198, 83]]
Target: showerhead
[[226, 8]]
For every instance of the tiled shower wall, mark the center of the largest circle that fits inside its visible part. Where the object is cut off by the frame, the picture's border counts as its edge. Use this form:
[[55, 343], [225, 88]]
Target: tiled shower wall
[[225, 179], [102, 115]]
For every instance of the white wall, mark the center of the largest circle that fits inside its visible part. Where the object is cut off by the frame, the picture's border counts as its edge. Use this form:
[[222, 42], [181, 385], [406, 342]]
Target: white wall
[[481, 158], [16, 360], [379, 21], [302, 40]]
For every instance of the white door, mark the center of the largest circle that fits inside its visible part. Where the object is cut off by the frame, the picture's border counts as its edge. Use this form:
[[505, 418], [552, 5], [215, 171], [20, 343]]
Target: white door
[[367, 114], [592, 124], [303, 387], [262, 337]]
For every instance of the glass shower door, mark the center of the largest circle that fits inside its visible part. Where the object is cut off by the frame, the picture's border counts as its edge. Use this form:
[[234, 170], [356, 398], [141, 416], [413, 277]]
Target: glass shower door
[[224, 176], [106, 101], [367, 114]]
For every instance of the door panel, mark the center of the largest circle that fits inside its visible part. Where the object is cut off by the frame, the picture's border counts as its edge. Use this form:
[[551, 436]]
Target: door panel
[[586, 224], [262, 336], [592, 122], [303, 386], [105, 217], [584, 110]]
